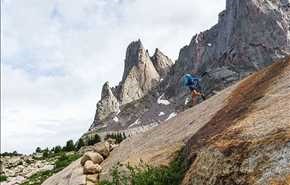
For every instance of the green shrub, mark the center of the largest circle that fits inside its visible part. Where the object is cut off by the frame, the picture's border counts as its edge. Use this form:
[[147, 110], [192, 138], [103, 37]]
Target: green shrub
[[57, 149], [69, 146], [3, 178], [45, 153], [80, 143], [38, 178], [64, 160], [93, 140], [148, 175]]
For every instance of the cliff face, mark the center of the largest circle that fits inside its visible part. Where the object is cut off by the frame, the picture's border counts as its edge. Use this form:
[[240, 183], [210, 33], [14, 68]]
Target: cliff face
[[248, 36], [161, 63], [107, 106]]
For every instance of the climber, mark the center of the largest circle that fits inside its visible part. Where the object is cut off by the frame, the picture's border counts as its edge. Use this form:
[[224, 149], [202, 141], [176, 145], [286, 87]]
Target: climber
[[193, 83]]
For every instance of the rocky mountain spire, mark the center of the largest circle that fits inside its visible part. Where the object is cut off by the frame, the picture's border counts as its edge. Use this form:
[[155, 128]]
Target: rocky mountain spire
[[162, 63], [107, 105], [139, 76]]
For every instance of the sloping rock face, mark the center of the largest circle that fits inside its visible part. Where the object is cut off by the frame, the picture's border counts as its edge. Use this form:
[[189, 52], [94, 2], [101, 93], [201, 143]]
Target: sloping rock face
[[139, 76], [73, 174], [249, 36], [162, 63], [248, 140], [239, 136], [107, 105]]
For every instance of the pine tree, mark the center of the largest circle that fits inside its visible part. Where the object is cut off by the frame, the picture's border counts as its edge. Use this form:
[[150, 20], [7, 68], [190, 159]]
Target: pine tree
[[80, 143], [38, 150], [69, 146]]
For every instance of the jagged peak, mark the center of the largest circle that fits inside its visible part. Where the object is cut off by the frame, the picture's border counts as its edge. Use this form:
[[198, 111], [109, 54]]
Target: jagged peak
[[135, 54], [161, 62], [106, 90]]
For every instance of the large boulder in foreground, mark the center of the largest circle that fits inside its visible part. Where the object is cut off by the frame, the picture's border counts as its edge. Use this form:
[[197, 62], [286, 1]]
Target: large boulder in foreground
[[91, 168], [93, 156]]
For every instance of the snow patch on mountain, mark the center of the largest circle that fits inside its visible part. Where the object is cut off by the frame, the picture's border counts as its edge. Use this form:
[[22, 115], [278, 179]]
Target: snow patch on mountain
[[135, 123], [172, 115], [162, 101]]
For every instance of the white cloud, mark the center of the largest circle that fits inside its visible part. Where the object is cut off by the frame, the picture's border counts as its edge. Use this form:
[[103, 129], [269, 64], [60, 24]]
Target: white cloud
[[57, 54]]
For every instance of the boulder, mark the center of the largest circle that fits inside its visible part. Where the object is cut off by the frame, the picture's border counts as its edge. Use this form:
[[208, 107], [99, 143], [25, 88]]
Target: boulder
[[111, 141], [85, 149], [91, 168], [92, 156], [103, 148], [90, 183], [92, 178]]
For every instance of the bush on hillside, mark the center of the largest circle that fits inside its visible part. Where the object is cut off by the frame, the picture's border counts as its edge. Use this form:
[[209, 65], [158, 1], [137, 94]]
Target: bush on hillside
[[80, 144], [148, 175], [69, 146], [64, 160], [3, 178], [93, 140]]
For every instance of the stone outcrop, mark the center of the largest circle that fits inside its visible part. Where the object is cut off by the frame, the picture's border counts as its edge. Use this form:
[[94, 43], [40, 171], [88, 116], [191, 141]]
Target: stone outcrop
[[162, 63], [139, 75], [95, 157], [107, 106], [91, 168], [249, 36]]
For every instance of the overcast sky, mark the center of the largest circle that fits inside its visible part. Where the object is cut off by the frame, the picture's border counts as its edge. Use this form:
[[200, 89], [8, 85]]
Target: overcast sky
[[56, 54]]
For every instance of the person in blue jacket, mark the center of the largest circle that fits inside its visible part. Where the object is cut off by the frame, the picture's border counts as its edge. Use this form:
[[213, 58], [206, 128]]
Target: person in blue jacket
[[193, 82]]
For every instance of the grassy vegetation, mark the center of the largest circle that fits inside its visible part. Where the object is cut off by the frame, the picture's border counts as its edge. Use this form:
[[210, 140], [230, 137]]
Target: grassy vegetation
[[3, 178], [38, 178], [148, 175], [62, 162]]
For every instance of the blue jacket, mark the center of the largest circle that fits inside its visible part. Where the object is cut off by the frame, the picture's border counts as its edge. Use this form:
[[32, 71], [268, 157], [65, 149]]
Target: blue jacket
[[192, 82]]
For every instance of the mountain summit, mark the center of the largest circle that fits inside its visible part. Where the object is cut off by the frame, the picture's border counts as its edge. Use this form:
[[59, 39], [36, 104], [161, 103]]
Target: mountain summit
[[139, 76]]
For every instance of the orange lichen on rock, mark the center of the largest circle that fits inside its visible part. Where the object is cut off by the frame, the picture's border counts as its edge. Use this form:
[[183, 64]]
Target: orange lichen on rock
[[237, 146]]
